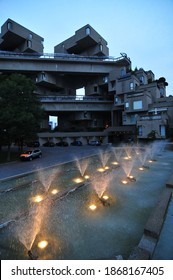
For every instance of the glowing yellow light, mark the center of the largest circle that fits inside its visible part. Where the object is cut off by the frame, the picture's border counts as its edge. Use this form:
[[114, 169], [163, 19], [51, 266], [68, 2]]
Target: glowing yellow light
[[86, 177], [129, 157], [42, 244], [126, 158], [115, 163], [106, 167], [131, 177], [105, 197], [141, 168], [150, 160], [101, 169], [37, 198], [54, 191], [124, 182], [92, 207], [78, 180]]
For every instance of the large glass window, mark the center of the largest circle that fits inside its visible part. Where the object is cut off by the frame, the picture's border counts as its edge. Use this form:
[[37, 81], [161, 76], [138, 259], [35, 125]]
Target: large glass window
[[137, 104]]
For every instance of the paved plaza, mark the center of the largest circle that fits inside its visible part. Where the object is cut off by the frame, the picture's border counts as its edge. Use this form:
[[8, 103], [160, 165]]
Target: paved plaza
[[58, 155]]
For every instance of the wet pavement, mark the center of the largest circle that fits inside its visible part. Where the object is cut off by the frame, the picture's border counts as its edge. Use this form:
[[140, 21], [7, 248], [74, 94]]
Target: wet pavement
[[58, 155]]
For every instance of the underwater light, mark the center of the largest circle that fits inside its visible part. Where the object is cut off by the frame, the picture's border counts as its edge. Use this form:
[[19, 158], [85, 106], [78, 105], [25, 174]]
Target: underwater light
[[115, 163], [101, 169], [105, 197], [37, 198], [124, 182], [42, 244], [141, 168], [106, 167], [131, 178], [78, 180], [54, 191], [92, 207]]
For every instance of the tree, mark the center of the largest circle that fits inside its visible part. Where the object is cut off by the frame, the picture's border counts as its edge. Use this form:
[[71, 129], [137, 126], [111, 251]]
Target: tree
[[20, 109]]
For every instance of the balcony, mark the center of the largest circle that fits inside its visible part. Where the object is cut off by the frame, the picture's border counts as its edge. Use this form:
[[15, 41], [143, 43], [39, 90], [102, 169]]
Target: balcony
[[75, 98], [150, 118]]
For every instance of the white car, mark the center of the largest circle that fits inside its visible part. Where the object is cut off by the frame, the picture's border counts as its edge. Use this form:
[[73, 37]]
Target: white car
[[31, 154], [95, 143]]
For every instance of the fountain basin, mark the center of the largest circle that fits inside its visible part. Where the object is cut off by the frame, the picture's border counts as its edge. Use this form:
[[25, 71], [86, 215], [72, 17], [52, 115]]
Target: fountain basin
[[71, 229]]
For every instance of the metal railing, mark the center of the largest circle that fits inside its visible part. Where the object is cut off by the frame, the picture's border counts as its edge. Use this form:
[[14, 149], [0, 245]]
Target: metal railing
[[71, 98], [60, 56]]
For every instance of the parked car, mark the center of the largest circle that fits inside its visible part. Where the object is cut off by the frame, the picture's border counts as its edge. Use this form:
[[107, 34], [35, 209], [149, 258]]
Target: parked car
[[76, 143], [49, 144], [62, 144], [31, 154], [33, 144], [95, 143]]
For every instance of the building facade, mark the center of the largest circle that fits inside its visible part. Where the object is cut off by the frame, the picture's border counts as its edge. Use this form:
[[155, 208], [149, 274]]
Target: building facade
[[117, 102]]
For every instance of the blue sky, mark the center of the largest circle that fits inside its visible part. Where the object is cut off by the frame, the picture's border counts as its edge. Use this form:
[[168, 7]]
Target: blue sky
[[142, 29]]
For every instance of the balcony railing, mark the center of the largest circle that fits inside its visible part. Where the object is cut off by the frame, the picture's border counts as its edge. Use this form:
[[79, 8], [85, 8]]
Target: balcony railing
[[61, 56], [148, 118], [72, 98]]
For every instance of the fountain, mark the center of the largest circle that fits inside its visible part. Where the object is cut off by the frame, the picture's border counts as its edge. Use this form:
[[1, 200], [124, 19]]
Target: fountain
[[55, 215]]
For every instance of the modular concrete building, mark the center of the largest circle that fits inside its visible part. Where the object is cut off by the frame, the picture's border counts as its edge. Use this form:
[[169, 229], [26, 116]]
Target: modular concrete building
[[117, 103]]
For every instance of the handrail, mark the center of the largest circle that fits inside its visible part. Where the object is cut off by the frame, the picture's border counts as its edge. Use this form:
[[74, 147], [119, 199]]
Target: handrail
[[71, 98], [61, 55]]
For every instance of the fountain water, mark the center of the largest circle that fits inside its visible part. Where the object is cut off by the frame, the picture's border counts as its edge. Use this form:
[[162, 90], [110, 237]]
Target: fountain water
[[104, 157], [46, 179], [65, 220], [82, 165]]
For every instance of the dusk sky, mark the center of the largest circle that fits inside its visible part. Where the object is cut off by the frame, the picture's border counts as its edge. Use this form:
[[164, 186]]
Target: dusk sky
[[141, 29]]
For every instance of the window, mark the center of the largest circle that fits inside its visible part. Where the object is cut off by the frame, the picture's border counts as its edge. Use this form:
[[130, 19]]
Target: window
[[101, 47], [131, 86], [141, 79], [137, 104], [124, 118], [43, 76], [112, 84], [87, 31], [29, 44], [105, 79], [95, 122], [9, 25], [30, 36], [140, 130], [123, 72], [133, 119], [115, 99], [162, 130], [95, 89], [161, 92], [126, 105]]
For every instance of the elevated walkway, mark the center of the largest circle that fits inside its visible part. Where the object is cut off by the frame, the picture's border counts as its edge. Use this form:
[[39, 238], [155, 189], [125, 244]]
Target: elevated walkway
[[60, 63]]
